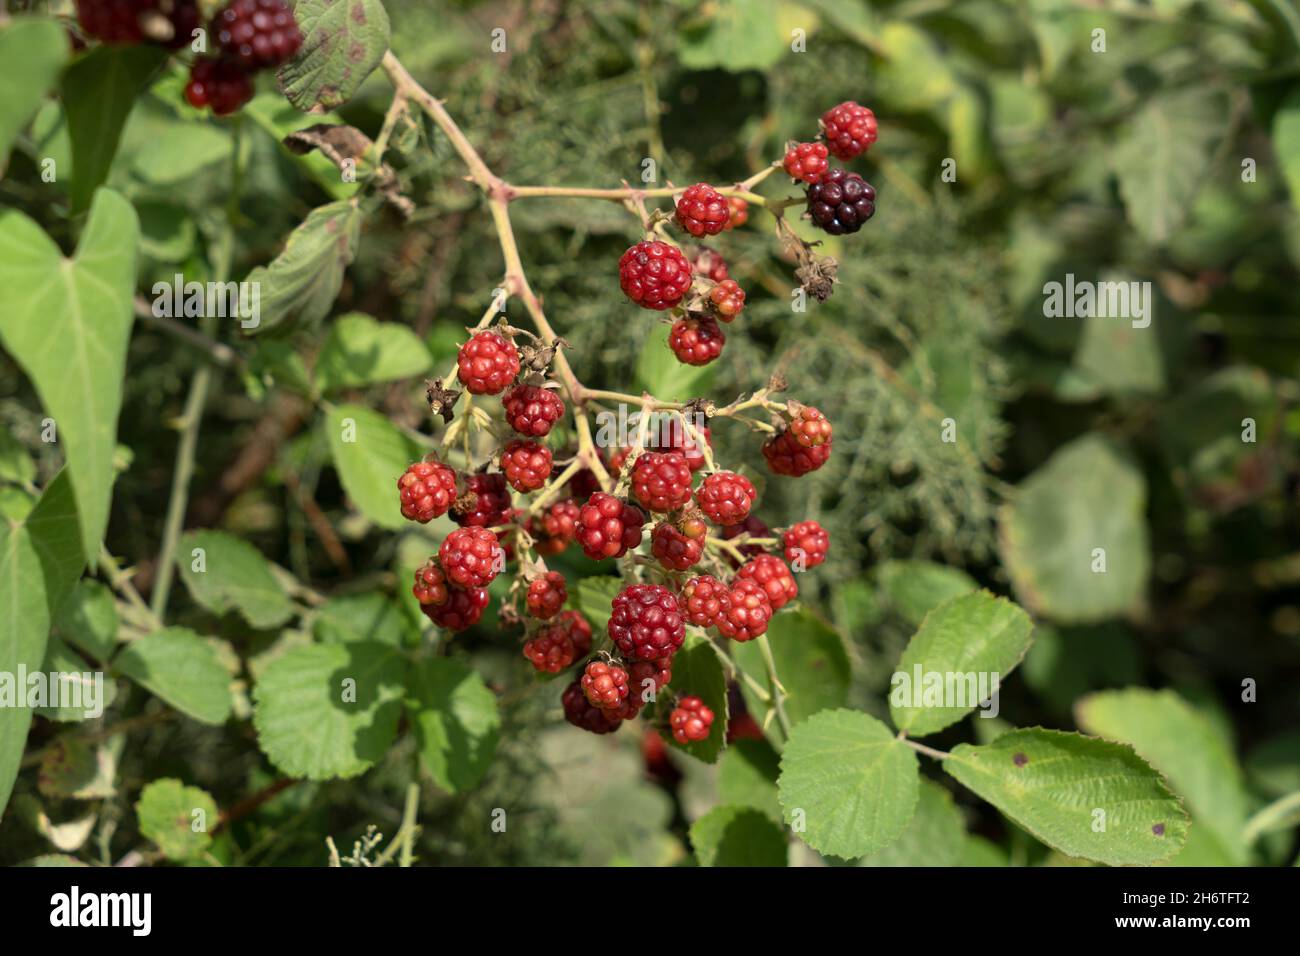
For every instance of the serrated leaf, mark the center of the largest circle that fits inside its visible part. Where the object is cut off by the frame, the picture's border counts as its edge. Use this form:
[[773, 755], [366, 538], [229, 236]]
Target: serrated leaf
[[360, 351], [302, 282], [455, 719], [660, 373], [361, 617], [342, 44], [84, 302], [182, 669], [738, 836], [40, 559], [811, 662], [1053, 784], [849, 782], [961, 640], [233, 577], [33, 52], [1160, 154], [99, 91], [370, 454], [1177, 740], [936, 835], [1089, 495], [697, 671], [177, 818], [329, 710], [917, 587]]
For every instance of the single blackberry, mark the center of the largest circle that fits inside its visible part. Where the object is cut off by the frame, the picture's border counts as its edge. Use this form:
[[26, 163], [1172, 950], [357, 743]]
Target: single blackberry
[[841, 202]]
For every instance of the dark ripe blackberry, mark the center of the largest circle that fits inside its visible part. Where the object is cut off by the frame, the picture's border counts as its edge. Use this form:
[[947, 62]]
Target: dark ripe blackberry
[[257, 33], [841, 202]]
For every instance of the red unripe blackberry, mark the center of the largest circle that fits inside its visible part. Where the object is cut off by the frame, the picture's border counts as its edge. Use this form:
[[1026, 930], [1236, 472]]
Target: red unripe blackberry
[[627, 709], [551, 650], [486, 502], [806, 162], [257, 33], [605, 685], [430, 585], [690, 720], [696, 341], [609, 527], [704, 600], [526, 464], [737, 212], [463, 608], [849, 129], [487, 363], [579, 712], [809, 427], [708, 263], [661, 480], [748, 611], [426, 489], [702, 210], [578, 629], [532, 410], [726, 497], [471, 557], [771, 573], [554, 529], [841, 202], [752, 526], [546, 595], [727, 299], [654, 275], [785, 456], [679, 549], [221, 85], [806, 544], [114, 21], [676, 438], [645, 623], [641, 673]]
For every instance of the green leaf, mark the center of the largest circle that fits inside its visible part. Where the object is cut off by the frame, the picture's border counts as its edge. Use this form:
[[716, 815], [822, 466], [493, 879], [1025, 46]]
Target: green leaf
[[697, 671], [917, 587], [15, 464], [914, 75], [303, 281], [33, 52], [225, 573], [1058, 785], [99, 91], [738, 836], [342, 44], [370, 454], [84, 302], [659, 372], [361, 617], [848, 782], [747, 776], [1160, 155], [456, 721], [182, 669], [88, 620], [275, 116], [1089, 495], [969, 636], [811, 662], [75, 769], [1286, 142], [735, 35], [74, 697], [360, 351], [329, 710], [977, 851], [177, 818], [40, 559], [1114, 357], [1177, 740], [936, 836], [595, 599]]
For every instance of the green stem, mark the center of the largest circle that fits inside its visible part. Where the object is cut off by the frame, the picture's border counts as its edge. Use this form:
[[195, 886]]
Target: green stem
[[1277, 815], [778, 692]]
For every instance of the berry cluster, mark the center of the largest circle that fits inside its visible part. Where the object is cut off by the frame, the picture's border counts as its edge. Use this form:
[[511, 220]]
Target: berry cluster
[[250, 35]]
